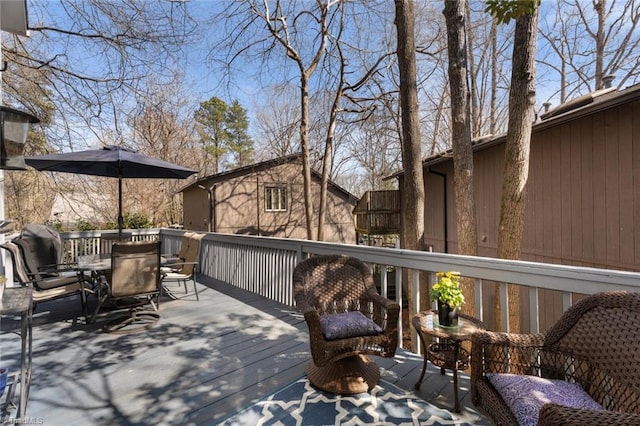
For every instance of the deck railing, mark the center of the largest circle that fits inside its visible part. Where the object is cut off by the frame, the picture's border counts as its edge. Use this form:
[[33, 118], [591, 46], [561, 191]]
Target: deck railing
[[80, 243], [264, 265]]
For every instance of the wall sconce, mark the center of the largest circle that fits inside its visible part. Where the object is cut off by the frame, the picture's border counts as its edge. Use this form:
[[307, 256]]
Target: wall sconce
[[14, 126]]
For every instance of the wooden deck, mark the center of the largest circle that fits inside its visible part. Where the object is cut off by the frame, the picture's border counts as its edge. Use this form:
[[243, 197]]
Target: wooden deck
[[202, 362]]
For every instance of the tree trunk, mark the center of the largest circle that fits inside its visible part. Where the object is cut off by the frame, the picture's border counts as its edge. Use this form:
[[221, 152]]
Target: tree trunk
[[277, 26], [413, 229], [455, 12], [306, 155], [600, 9], [522, 98], [327, 162], [467, 39], [326, 165], [494, 77], [413, 183]]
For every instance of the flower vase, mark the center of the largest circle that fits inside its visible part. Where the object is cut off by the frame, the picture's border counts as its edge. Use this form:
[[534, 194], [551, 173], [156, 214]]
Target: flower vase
[[446, 315]]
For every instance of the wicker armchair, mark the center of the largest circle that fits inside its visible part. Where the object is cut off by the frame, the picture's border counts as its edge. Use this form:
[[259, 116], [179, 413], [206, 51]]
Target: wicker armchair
[[596, 344], [337, 294]]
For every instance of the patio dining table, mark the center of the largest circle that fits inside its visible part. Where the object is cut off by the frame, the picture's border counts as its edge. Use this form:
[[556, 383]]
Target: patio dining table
[[94, 268], [97, 265], [93, 263]]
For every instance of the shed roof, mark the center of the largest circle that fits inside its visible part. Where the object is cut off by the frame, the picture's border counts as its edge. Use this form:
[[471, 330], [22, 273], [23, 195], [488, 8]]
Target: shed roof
[[268, 164], [582, 106]]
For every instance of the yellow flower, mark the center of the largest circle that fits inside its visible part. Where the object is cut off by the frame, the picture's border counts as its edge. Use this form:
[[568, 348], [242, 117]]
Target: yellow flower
[[447, 289]]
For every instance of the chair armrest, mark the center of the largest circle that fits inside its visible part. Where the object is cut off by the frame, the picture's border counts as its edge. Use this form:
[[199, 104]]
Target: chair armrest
[[554, 414], [316, 338], [58, 267], [313, 322], [382, 301], [381, 306], [38, 276], [170, 265], [507, 339], [175, 267], [312, 318], [170, 259], [494, 352]]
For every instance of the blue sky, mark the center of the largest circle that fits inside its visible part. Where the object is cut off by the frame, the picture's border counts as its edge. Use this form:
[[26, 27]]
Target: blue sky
[[203, 80]]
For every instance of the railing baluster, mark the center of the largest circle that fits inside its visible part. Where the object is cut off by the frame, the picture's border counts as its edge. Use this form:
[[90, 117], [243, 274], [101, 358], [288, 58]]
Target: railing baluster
[[265, 266], [566, 301], [504, 311], [479, 297], [534, 319], [416, 304], [383, 281], [399, 300]]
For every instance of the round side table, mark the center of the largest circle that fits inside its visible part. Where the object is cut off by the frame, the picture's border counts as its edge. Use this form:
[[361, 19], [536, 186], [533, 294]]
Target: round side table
[[442, 345]]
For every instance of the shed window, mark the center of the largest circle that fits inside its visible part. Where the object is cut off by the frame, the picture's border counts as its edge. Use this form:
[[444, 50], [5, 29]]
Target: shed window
[[275, 198]]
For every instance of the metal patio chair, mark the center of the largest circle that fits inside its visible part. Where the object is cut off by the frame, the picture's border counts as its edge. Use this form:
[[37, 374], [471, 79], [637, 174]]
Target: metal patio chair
[[108, 238], [47, 286], [133, 285], [184, 268]]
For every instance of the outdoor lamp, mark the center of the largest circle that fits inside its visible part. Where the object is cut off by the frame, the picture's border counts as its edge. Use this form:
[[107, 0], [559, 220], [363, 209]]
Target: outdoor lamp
[[14, 126]]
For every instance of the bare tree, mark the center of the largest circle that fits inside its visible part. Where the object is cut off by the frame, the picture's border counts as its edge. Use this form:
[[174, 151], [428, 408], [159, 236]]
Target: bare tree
[[493, 96], [412, 222], [413, 188], [82, 65], [286, 31], [339, 89], [162, 128], [309, 37], [127, 40], [467, 38], [278, 122], [456, 15], [587, 41], [522, 96], [374, 145], [30, 199], [488, 50]]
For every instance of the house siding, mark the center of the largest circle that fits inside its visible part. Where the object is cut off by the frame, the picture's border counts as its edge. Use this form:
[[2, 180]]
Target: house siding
[[583, 198], [240, 206]]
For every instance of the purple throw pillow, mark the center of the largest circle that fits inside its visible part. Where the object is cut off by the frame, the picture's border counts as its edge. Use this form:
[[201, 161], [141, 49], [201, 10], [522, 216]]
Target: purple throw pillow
[[347, 324]]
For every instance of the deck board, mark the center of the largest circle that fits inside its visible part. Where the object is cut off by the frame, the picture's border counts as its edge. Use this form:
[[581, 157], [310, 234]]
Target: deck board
[[204, 361]]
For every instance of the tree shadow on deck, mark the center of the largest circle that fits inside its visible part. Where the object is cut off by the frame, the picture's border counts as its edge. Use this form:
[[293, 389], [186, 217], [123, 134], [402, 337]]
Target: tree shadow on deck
[[203, 360]]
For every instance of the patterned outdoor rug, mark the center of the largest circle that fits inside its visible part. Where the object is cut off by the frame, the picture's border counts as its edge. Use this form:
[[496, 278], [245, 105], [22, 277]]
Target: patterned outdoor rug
[[301, 404]]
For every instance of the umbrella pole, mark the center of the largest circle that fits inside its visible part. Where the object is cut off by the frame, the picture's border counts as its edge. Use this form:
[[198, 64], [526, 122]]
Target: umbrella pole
[[120, 218]]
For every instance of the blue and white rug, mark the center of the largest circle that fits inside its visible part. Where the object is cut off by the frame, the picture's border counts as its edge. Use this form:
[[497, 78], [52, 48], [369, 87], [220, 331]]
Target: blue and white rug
[[301, 404]]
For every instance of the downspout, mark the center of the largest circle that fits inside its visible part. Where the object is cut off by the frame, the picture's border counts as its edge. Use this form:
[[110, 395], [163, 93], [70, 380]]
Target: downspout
[[258, 203], [444, 199], [214, 228]]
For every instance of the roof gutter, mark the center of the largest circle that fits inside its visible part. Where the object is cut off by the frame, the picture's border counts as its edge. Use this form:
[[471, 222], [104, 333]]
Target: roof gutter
[[580, 107]]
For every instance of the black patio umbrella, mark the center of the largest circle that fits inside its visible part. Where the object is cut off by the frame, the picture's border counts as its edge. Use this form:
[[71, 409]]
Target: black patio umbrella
[[110, 161]]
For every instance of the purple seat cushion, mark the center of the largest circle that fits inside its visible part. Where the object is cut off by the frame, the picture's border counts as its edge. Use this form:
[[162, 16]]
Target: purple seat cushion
[[347, 324], [525, 395]]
